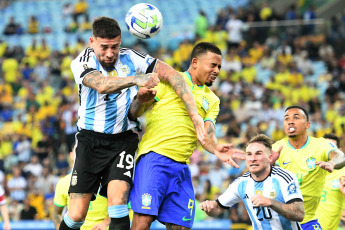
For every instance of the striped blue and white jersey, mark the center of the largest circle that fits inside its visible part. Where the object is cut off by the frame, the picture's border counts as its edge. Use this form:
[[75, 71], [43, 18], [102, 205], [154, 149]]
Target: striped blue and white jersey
[[280, 185], [107, 113]]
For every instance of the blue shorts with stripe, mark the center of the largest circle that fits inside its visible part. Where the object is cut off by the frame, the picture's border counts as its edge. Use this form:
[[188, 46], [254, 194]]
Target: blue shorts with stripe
[[163, 188], [311, 225]]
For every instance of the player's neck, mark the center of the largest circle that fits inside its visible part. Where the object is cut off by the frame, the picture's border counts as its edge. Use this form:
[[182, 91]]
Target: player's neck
[[298, 141], [193, 77]]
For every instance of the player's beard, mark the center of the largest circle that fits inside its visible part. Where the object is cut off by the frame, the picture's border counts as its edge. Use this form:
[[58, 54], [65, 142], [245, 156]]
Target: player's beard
[[292, 136], [107, 65], [209, 83]]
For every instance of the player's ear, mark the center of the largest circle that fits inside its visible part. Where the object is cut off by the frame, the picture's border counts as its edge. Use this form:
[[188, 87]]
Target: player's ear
[[194, 62], [307, 125]]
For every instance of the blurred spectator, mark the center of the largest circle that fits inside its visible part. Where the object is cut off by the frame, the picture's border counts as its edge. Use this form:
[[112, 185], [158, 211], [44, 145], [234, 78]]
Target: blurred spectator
[[28, 212], [10, 67], [14, 210], [43, 148], [222, 18], [304, 64], [11, 27], [265, 12], [325, 50], [86, 24], [23, 148], [201, 24], [234, 27], [17, 185], [217, 174], [67, 10], [33, 25], [37, 201], [27, 72], [291, 13], [80, 8], [46, 181], [34, 167], [62, 164], [41, 72], [308, 16]]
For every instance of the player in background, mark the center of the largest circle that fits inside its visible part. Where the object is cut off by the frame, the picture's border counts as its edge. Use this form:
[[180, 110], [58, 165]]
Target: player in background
[[97, 216], [4, 211], [309, 158], [162, 186], [108, 78], [270, 194], [333, 194]]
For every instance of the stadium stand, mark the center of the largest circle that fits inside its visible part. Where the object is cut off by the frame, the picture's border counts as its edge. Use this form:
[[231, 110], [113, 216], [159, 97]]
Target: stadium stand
[[264, 74]]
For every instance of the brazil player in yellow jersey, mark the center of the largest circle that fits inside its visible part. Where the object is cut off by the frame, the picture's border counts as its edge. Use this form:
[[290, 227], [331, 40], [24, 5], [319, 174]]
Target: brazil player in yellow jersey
[[309, 158], [333, 195], [162, 187], [97, 216]]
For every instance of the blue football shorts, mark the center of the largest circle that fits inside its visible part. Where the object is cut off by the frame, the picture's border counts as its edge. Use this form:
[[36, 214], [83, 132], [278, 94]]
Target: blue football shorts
[[311, 225], [163, 188]]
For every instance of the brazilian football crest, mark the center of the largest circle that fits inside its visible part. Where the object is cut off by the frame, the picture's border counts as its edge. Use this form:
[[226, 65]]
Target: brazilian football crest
[[146, 199], [205, 103], [311, 163]]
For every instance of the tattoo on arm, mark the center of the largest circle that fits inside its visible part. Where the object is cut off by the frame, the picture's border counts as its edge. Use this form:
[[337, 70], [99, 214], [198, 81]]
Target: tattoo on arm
[[78, 195], [338, 158], [57, 216], [293, 211], [210, 140], [167, 74], [104, 85]]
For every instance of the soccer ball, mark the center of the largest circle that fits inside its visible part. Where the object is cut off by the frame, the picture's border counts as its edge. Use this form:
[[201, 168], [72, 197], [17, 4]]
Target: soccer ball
[[144, 20]]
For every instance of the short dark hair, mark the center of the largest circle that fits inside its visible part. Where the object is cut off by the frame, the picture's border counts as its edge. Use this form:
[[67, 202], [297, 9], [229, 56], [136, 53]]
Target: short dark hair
[[263, 139], [332, 137], [299, 107], [105, 27], [204, 47]]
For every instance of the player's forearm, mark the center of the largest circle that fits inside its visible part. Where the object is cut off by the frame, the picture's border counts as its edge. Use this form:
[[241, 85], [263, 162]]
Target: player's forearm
[[105, 85], [57, 216], [338, 160], [293, 211], [137, 109], [167, 74], [210, 140]]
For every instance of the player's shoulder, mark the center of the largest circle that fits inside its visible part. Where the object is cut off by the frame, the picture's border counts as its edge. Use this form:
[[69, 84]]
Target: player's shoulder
[[245, 176], [131, 52], [282, 174], [84, 56], [281, 142]]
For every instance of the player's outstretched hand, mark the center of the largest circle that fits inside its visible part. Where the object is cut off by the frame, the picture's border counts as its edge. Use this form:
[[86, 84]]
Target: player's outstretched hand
[[329, 166], [226, 153], [208, 206], [275, 155], [149, 80], [198, 123], [260, 200], [145, 95]]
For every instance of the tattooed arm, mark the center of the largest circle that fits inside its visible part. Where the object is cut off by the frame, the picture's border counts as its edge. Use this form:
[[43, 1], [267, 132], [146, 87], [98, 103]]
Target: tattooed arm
[[293, 211], [104, 85], [57, 216], [224, 152], [167, 74], [337, 161]]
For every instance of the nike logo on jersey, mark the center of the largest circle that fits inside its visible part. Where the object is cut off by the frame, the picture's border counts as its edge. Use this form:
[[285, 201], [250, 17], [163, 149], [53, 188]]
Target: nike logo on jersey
[[285, 163], [186, 219], [246, 196]]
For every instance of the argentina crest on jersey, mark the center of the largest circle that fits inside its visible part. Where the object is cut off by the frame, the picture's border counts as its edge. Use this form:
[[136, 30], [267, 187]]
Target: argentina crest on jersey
[[125, 70], [311, 162]]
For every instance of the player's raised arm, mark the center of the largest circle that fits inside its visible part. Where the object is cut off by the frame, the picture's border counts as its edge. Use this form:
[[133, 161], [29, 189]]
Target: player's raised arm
[[167, 74], [337, 161], [225, 152], [107, 85]]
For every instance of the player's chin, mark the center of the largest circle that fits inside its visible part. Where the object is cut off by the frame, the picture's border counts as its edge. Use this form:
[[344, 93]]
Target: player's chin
[[108, 64], [209, 83]]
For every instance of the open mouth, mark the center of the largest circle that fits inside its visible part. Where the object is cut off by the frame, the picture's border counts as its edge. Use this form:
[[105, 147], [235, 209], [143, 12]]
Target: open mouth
[[291, 129]]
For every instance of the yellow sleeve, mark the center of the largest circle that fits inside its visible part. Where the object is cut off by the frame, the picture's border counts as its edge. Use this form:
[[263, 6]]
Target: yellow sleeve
[[213, 113], [61, 193]]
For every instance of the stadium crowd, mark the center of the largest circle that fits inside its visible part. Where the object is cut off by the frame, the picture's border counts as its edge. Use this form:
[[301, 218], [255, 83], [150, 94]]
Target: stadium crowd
[[264, 70]]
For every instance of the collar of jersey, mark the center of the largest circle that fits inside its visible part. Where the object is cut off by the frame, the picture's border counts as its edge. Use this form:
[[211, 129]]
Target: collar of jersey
[[190, 78], [304, 146]]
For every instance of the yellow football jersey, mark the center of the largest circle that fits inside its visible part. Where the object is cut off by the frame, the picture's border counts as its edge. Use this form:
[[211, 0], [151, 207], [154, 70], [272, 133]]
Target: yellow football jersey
[[169, 130], [332, 201], [302, 162], [98, 209]]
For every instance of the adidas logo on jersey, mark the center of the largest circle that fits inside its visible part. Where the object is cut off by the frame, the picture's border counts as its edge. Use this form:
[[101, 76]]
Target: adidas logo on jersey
[[246, 197], [128, 173]]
